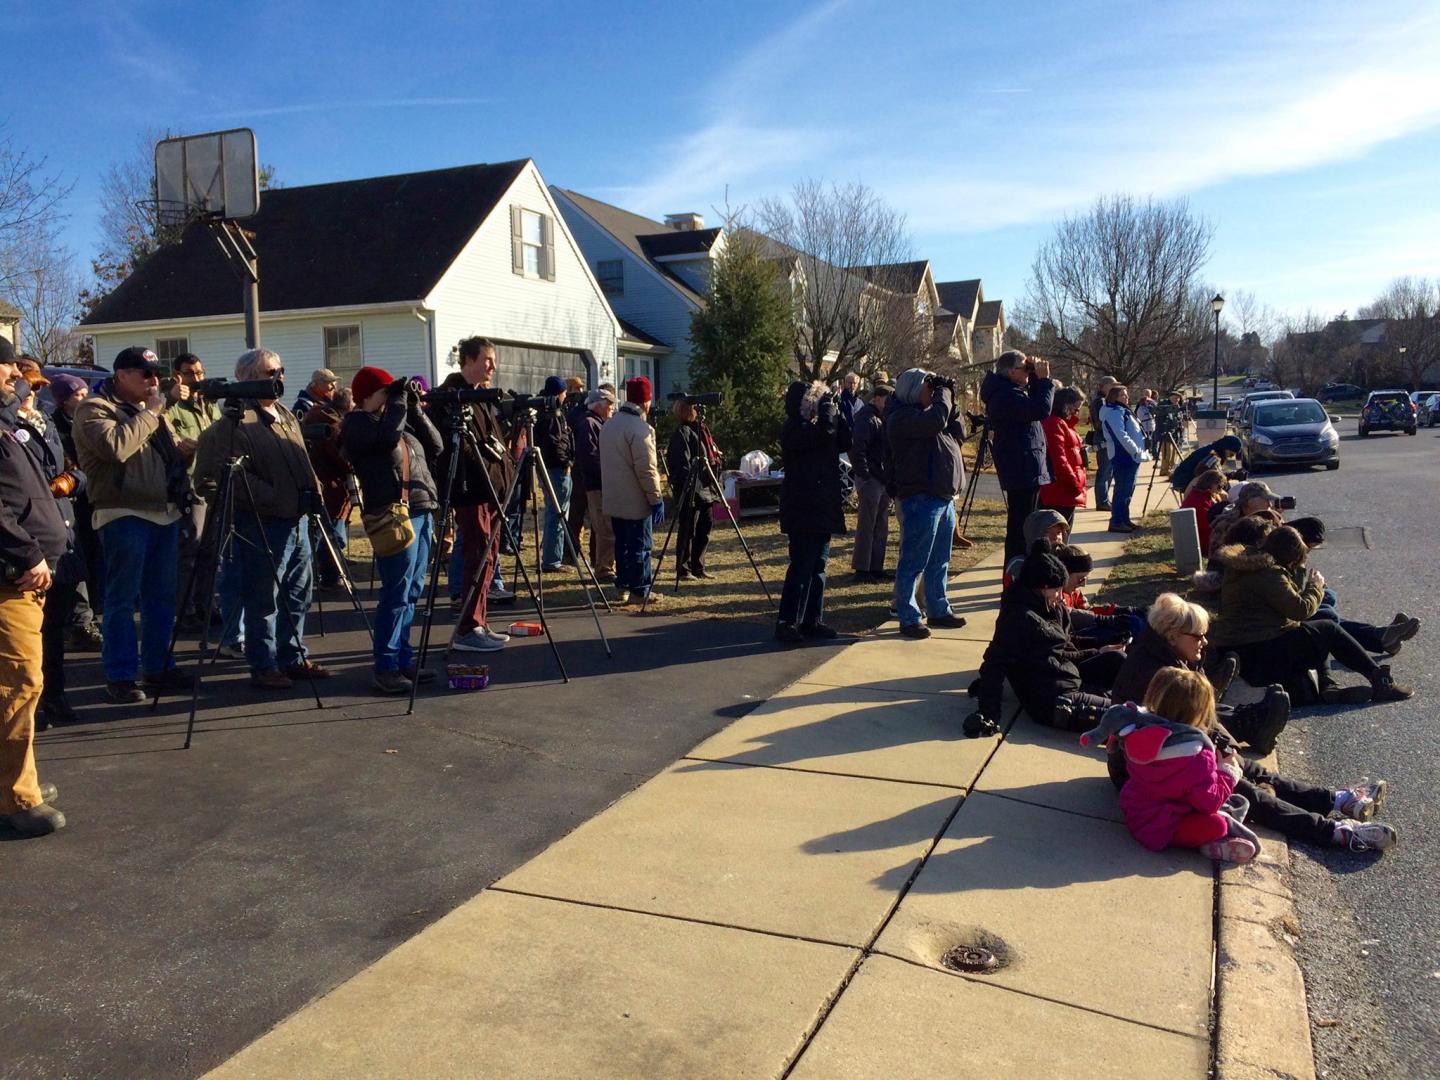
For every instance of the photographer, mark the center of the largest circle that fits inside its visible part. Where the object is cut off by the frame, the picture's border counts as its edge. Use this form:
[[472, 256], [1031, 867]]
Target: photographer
[[811, 505], [1095, 439], [867, 466], [691, 446], [1210, 456], [276, 492], [390, 441], [630, 480], [321, 428], [32, 536], [191, 415], [557, 446], [1018, 396], [923, 433], [138, 483], [585, 425], [482, 478]]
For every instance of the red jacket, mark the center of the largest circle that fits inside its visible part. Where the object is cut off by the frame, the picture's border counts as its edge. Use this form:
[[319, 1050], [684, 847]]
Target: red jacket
[[1067, 464], [1201, 502]]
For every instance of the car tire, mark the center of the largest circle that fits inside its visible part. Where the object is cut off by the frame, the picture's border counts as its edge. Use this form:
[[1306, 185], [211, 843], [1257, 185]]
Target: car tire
[[1331, 466], [1410, 431], [1364, 431]]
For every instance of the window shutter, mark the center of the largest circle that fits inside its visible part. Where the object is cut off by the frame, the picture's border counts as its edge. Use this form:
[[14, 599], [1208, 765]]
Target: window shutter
[[517, 246], [547, 235]]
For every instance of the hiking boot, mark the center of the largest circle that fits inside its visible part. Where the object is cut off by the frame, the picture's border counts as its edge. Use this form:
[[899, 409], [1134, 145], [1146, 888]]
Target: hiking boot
[[1349, 695], [390, 682], [788, 633], [39, 820], [915, 630], [1266, 719], [270, 679], [85, 638], [820, 631], [169, 679], [1386, 688], [125, 692], [307, 669], [1398, 632], [945, 622], [1362, 800], [1225, 674], [1365, 836]]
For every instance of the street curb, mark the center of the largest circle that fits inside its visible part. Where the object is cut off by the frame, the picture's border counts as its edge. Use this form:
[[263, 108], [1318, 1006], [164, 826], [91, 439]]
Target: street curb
[[1262, 1020]]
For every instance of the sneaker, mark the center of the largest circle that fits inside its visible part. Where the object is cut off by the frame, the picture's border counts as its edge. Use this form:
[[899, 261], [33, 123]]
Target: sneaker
[[476, 640], [499, 594], [1362, 800], [1401, 630], [1225, 674], [648, 597], [701, 573], [233, 652], [819, 630], [1365, 836], [1126, 528], [553, 568], [169, 679], [1349, 695], [307, 669], [1233, 849], [788, 633], [124, 692], [945, 622], [1385, 688], [494, 635], [915, 630], [270, 679], [390, 682], [39, 820]]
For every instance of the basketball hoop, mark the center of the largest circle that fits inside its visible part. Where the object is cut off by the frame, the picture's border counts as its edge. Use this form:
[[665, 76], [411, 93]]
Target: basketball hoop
[[171, 215]]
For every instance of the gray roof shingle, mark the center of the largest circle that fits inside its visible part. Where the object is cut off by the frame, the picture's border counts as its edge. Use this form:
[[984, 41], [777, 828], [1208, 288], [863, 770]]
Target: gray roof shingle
[[959, 296]]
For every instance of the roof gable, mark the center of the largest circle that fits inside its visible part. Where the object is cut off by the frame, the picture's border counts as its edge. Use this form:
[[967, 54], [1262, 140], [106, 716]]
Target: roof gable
[[906, 277], [961, 297], [645, 238], [992, 313], [379, 240]]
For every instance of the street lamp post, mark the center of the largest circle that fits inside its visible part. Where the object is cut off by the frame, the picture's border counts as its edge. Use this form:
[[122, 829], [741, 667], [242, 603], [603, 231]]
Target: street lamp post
[[1215, 306]]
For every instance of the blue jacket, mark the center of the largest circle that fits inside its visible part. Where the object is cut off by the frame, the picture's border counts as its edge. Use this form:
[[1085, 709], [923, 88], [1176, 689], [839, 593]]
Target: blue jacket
[[1122, 433], [1017, 438]]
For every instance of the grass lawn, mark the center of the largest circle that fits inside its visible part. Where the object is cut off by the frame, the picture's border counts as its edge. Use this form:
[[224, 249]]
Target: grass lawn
[[1147, 568], [733, 592]]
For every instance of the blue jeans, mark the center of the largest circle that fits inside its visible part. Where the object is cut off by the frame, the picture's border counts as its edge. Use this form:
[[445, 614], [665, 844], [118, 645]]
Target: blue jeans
[[402, 583], [269, 642], [802, 597], [140, 559], [1125, 469], [927, 526], [554, 543], [1102, 476], [633, 540], [232, 601]]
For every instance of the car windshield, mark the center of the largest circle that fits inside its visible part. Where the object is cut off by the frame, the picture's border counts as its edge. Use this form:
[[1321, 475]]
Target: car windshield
[[1288, 413]]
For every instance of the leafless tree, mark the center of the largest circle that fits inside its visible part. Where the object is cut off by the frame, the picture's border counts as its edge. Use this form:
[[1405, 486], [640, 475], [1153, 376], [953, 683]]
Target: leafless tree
[[850, 246], [1119, 287], [1306, 355], [30, 200], [1411, 308]]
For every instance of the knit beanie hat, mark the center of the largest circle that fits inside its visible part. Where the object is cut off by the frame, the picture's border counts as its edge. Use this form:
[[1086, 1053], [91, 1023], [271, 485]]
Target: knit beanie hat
[[63, 387], [1042, 570], [367, 380], [1076, 560], [637, 390], [554, 387]]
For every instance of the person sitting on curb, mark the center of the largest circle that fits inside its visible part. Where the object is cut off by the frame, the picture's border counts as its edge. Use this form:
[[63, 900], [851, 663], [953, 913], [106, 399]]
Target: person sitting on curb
[[1268, 601], [1205, 494], [812, 507], [1182, 783], [1174, 636], [1102, 624], [1376, 640], [1058, 684], [1047, 525], [1210, 456]]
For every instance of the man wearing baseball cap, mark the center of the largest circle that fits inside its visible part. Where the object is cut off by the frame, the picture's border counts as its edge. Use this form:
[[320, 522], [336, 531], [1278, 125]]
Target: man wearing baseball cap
[[137, 479]]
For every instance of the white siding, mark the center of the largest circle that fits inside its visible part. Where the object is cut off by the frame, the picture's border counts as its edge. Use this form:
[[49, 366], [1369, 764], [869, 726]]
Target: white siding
[[650, 302], [480, 293], [397, 342]]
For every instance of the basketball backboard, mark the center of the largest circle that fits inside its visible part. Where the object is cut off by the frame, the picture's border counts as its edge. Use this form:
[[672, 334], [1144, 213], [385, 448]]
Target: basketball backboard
[[216, 173]]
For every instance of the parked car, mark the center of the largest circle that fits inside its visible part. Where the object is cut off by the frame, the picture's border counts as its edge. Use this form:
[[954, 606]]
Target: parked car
[[1388, 410], [1264, 384], [1290, 432], [1427, 408], [1237, 409]]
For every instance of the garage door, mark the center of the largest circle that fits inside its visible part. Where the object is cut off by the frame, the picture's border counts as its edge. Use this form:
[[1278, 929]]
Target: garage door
[[524, 369]]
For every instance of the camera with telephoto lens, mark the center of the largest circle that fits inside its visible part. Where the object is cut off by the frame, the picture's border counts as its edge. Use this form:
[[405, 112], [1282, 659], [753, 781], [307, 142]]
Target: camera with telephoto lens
[[700, 399], [244, 390], [468, 395]]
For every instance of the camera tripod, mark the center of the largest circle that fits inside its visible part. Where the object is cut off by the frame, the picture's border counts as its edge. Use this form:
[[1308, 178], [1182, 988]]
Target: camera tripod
[[687, 499], [984, 447], [1168, 441]]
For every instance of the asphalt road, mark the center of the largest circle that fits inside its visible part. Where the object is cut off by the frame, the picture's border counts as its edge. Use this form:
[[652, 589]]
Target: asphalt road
[[198, 897], [1371, 940]]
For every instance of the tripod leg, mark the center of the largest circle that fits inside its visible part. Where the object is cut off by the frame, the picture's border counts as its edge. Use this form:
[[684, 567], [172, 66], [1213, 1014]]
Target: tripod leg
[[735, 524], [345, 579], [685, 496], [437, 555], [223, 523], [569, 541]]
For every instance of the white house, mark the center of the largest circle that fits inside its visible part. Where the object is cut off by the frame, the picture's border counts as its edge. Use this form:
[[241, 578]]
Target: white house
[[391, 271]]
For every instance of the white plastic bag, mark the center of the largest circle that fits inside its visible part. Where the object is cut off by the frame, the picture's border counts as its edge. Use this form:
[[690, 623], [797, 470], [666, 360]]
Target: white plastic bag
[[755, 464]]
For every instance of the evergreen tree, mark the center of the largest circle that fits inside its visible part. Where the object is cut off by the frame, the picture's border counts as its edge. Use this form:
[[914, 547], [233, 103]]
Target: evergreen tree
[[741, 347]]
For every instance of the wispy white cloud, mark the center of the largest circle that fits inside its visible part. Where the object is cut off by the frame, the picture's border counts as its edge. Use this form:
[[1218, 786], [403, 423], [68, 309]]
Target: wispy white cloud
[[352, 106]]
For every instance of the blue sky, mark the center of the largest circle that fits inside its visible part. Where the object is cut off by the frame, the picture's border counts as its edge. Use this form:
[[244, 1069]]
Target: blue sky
[[1308, 133]]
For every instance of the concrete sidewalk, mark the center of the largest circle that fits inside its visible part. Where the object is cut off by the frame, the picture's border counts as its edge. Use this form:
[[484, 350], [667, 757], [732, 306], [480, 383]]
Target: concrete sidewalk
[[778, 902]]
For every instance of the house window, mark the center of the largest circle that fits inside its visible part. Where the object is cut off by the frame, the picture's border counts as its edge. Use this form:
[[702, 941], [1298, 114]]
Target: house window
[[611, 275], [168, 348], [632, 367], [532, 244], [343, 354]]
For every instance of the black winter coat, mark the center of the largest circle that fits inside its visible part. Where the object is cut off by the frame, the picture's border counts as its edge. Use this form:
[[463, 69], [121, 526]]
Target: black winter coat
[[553, 437], [810, 495], [1018, 439], [372, 445], [488, 451], [867, 445], [1032, 647], [1146, 654], [31, 527], [687, 447], [923, 447]]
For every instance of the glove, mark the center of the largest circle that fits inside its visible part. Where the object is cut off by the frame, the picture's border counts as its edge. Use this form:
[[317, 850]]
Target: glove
[[978, 725], [657, 514]]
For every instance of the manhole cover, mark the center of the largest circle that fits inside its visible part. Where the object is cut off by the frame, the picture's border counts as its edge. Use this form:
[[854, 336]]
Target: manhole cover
[[971, 958]]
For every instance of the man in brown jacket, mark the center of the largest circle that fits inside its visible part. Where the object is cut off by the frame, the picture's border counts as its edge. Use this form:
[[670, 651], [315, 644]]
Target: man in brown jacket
[[630, 479], [273, 494], [135, 469]]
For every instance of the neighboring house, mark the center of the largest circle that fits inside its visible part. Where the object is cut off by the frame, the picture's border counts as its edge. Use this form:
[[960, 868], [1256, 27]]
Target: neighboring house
[[391, 271], [10, 324], [955, 322], [654, 275], [988, 340]]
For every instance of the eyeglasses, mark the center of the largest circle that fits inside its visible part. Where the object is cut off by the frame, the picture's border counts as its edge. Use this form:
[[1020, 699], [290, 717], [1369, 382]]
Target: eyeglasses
[[1197, 637], [274, 372]]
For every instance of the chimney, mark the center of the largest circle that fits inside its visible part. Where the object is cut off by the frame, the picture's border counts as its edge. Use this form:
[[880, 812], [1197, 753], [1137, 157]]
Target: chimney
[[686, 222]]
